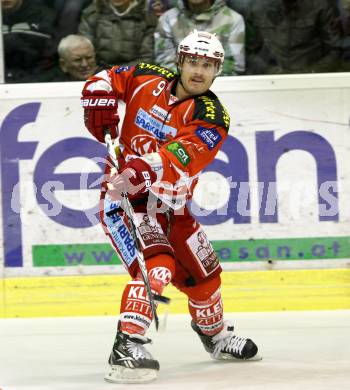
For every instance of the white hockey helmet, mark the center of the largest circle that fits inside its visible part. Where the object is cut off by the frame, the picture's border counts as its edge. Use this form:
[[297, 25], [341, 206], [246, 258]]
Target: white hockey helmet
[[202, 44]]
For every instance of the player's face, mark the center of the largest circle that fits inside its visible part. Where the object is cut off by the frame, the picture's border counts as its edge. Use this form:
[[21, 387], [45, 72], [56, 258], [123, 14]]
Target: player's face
[[197, 74], [80, 62], [10, 4]]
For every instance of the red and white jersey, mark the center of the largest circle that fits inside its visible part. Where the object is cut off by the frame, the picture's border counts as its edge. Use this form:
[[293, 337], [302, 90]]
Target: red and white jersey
[[185, 134]]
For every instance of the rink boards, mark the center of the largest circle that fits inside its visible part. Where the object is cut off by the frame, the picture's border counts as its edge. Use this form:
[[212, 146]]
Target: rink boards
[[275, 202], [242, 292]]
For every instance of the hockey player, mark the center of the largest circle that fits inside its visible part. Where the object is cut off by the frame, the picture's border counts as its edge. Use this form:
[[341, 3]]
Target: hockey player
[[172, 129]]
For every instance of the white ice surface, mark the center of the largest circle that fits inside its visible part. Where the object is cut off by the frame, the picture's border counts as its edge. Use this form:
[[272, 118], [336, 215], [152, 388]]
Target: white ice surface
[[301, 350]]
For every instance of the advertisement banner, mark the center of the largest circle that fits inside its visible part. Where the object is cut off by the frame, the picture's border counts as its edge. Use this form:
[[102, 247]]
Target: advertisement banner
[[276, 195]]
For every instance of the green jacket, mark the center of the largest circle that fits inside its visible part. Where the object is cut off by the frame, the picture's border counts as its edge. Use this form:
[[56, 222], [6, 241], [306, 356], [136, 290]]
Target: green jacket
[[177, 22], [119, 39]]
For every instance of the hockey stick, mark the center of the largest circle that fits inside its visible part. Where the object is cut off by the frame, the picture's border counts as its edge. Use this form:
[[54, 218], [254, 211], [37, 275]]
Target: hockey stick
[[136, 237]]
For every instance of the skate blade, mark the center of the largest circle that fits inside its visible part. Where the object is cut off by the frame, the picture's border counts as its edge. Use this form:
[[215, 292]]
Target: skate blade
[[120, 374], [227, 356]]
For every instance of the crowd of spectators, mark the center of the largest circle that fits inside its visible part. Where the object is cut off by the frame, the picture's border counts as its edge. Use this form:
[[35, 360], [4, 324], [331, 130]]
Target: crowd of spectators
[[69, 40], [204, 15]]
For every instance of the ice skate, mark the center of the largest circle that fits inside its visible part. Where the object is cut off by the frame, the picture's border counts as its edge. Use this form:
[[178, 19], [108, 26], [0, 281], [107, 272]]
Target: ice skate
[[227, 346], [130, 361]]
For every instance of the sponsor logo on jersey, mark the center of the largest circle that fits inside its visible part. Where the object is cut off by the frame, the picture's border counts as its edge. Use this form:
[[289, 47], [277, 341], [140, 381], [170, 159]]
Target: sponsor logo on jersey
[[122, 69], [203, 251], [172, 99], [153, 126], [151, 232], [160, 113], [226, 117], [155, 69], [179, 152], [145, 143], [210, 109], [161, 273], [211, 137]]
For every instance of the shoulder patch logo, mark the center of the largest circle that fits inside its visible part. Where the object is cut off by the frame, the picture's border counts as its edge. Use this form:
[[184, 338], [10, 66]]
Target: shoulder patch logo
[[211, 137], [149, 69], [122, 69], [226, 117], [179, 152], [210, 109]]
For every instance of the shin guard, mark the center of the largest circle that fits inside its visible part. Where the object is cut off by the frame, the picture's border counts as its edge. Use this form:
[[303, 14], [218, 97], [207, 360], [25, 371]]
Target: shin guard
[[135, 309], [208, 314]]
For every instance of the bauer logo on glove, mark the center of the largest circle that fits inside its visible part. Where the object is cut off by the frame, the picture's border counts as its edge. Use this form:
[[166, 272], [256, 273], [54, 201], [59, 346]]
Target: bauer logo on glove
[[100, 112], [99, 102]]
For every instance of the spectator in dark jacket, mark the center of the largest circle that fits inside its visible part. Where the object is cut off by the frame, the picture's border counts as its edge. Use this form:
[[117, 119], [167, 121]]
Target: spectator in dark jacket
[[121, 31], [68, 16], [294, 36], [240, 6], [344, 8], [27, 27]]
